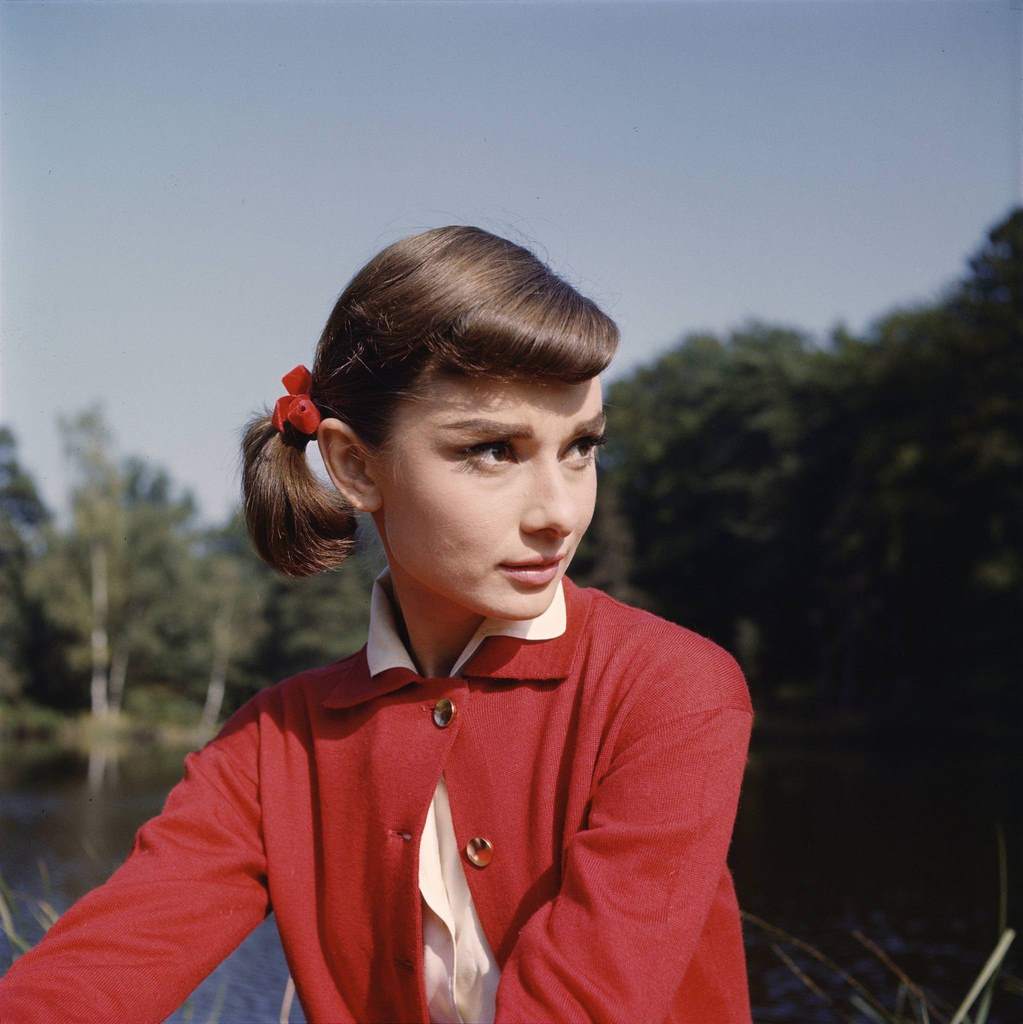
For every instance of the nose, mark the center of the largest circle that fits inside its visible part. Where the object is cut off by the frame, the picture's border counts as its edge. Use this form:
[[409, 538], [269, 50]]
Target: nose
[[551, 501]]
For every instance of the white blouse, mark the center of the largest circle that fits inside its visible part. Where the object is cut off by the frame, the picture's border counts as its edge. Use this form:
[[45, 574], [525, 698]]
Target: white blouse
[[461, 973]]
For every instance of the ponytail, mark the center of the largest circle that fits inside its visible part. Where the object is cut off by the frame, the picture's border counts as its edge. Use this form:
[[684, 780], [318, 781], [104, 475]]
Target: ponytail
[[298, 525]]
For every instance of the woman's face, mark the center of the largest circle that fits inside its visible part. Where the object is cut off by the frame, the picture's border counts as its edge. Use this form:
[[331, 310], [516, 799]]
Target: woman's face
[[481, 474]]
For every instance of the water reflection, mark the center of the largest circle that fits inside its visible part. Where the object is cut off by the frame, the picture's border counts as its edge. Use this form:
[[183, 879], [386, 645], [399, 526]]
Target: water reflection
[[69, 818], [103, 762], [898, 844]]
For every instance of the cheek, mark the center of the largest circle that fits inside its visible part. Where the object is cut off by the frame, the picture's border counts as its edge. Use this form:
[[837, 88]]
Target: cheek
[[587, 506], [435, 514], [443, 514]]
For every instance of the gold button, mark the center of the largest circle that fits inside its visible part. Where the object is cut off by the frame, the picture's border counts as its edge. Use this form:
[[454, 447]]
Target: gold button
[[480, 851], [443, 712]]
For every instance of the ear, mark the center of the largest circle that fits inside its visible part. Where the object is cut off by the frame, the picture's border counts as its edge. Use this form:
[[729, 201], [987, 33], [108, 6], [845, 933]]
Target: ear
[[346, 460]]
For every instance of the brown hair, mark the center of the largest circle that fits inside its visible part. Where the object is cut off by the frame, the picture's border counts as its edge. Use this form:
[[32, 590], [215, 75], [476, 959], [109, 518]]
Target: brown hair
[[454, 300]]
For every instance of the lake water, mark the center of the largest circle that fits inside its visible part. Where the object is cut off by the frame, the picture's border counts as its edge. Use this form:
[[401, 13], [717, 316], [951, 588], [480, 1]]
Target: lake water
[[897, 843]]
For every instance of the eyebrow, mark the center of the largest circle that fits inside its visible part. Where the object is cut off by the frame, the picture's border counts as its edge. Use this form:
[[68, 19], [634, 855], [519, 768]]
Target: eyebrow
[[521, 430]]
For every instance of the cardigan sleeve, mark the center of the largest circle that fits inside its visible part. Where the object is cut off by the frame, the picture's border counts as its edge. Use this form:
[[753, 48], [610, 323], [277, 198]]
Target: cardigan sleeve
[[639, 880], [192, 887]]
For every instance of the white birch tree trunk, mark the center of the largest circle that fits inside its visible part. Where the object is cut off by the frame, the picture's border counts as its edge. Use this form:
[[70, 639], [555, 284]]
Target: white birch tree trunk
[[218, 669], [118, 674], [100, 646]]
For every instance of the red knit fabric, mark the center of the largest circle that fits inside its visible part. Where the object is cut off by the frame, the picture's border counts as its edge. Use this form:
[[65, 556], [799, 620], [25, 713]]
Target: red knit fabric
[[604, 766]]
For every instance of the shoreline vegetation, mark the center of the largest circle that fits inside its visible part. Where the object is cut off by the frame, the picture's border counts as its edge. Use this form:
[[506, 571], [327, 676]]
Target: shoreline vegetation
[[36, 725]]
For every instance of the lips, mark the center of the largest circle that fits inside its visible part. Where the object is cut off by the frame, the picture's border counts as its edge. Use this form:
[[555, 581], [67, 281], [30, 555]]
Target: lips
[[546, 563], [533, 573]]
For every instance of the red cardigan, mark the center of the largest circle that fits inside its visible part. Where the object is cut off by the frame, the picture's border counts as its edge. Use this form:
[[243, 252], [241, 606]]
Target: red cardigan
[[603, 767]]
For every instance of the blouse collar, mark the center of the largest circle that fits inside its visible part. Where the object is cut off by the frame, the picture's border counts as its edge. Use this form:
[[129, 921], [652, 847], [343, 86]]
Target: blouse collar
[[384, 647], [543, 648]]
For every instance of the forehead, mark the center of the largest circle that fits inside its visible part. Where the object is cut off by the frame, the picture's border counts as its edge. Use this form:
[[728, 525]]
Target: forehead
[[451, 399]]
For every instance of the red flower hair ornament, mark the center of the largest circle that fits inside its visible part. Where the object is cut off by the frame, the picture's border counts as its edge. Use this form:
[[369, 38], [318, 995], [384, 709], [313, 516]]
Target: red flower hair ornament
[[296, 407]]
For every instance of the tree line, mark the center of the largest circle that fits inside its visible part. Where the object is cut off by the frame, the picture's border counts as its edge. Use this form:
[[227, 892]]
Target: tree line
[[845, 516], [137, 606]]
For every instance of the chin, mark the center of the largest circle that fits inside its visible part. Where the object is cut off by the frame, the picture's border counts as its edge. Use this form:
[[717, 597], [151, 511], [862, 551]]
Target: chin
[[526, 602]]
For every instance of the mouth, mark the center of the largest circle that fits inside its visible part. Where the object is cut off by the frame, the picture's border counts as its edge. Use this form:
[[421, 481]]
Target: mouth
[[534, 571]]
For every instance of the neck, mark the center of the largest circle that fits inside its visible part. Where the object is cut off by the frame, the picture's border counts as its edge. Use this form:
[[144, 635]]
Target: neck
[[434, 633]]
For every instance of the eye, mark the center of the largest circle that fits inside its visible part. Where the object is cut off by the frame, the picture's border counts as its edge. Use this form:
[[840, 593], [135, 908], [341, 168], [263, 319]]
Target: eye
[[478, 453], [590, 445], [489, 454]]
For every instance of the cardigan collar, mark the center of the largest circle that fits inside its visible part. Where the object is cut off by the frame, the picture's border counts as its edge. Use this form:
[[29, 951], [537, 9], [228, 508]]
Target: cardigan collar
[[539, 648]]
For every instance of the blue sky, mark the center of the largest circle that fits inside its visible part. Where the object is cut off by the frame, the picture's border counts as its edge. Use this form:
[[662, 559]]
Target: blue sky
[[186, 188]]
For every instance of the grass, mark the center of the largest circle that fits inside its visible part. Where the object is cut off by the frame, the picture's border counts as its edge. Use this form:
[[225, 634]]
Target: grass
[[912, 1003]]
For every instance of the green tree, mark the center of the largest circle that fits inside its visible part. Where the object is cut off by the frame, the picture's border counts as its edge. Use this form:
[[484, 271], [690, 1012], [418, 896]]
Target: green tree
[[23, 517], [117, 582], [847, 518], [706, 454], [232, 626], [318, 619], [929, 527]]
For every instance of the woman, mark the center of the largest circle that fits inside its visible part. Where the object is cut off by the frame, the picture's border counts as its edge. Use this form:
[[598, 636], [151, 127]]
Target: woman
[[514, 802]]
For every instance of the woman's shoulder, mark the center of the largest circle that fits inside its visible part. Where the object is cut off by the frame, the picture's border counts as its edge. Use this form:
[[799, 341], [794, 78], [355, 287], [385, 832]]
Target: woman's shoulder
[[698, 672], [298, 693]]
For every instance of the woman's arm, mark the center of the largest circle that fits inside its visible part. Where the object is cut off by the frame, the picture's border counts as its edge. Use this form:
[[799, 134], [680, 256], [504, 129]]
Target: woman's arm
[[191, 889], [639, 882]]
